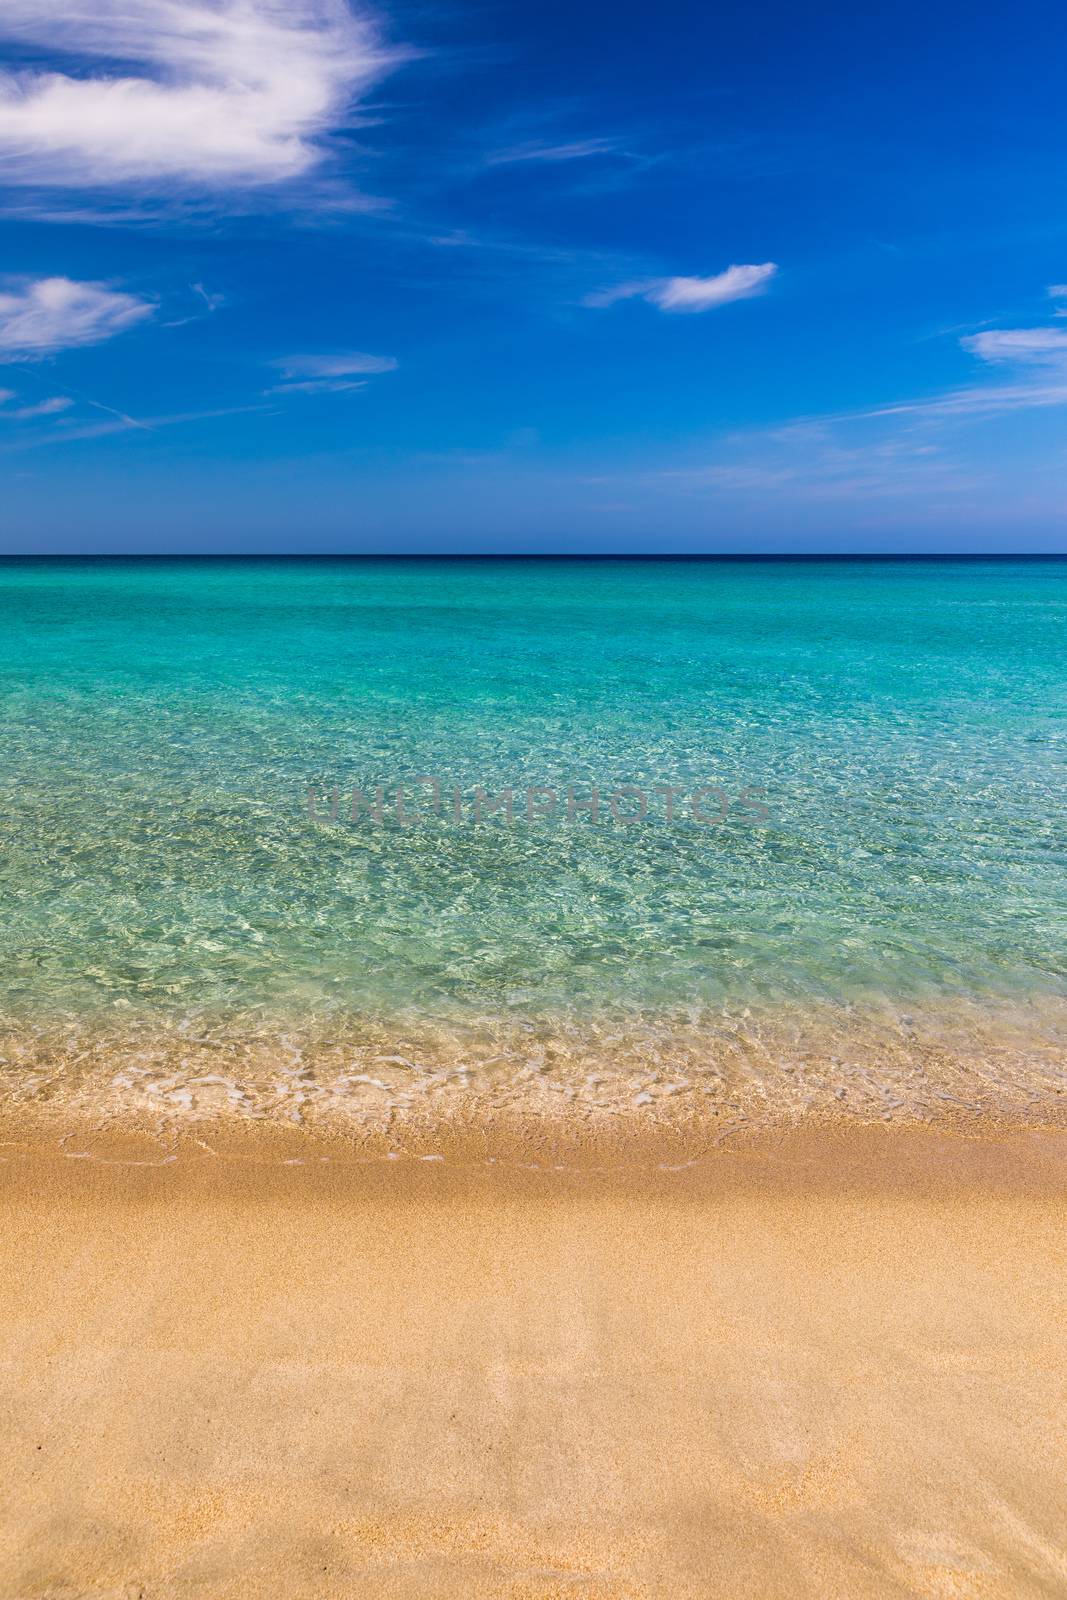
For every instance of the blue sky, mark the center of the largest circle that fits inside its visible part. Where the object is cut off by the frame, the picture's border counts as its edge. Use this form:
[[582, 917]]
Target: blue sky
[[289, 275]]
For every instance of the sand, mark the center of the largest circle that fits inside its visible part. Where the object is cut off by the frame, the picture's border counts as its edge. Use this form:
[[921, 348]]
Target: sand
[[832, 1365]]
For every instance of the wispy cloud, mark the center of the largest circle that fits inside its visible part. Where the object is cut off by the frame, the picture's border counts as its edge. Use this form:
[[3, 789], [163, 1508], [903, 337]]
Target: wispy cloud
[[73, 431], [543, 150], [204, 92], [1020, 346], [205, 305], [39, 316], [898, 451], [692, 294], [980, 400], [211, 301], [813, 461], [329, 374], [1039, 357], [52, 407]]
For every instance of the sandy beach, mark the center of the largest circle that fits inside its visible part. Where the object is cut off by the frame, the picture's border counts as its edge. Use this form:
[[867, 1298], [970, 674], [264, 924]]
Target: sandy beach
[[831, 1363]]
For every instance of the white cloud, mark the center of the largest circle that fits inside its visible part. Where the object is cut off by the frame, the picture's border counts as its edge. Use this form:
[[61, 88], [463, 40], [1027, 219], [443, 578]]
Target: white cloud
[[68, 432], [536, 150], [700, 294], [980, 400], [212, 301], [320, 386], [811, 461], [895, 449], [1038, 354], [336, 366], [39, 316], [330, 374], [914, 455], [214, 92], [43, 408], [1019, 346], [692, 294], [1057, 291]]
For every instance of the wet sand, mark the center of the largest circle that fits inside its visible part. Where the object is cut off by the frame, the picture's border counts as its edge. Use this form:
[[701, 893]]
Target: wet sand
[[832, 1364]]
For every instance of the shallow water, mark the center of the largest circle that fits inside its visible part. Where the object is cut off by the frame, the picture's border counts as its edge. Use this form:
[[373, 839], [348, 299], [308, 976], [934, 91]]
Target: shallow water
[[162, 723]]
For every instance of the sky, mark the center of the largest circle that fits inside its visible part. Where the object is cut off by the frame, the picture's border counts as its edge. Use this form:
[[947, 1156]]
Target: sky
[[297, 275]]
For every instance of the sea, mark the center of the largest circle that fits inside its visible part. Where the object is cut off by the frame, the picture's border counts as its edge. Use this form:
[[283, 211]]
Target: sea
[[382, 841]]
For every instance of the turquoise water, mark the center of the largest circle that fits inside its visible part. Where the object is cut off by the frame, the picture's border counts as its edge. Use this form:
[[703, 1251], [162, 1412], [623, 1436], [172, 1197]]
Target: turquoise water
[[162, 721]]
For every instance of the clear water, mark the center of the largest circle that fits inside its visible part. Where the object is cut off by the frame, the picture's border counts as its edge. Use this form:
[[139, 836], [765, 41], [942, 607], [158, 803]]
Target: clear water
[[161, 723]]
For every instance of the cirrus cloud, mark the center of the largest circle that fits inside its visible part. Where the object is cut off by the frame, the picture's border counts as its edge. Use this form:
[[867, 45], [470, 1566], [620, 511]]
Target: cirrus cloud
[[227, 93], [541, 150], [53, 407], [692, 294], [39, 316], [1019, 346], [330, 374], [911, 450]]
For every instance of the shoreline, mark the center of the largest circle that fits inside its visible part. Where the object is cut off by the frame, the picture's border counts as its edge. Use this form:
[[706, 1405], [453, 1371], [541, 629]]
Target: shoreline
[[396, 1082], [823, 1362], [813, 1155]]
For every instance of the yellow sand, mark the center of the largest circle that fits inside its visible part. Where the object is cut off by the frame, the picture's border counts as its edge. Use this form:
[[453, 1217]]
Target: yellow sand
[[833, 1367]]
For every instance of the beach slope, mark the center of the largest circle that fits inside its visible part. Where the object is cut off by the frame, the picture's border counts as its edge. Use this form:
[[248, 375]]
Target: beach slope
[[825, 1366]]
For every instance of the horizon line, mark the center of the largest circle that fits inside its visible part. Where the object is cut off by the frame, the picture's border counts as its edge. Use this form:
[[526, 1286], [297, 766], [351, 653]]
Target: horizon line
[[8, 557]]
